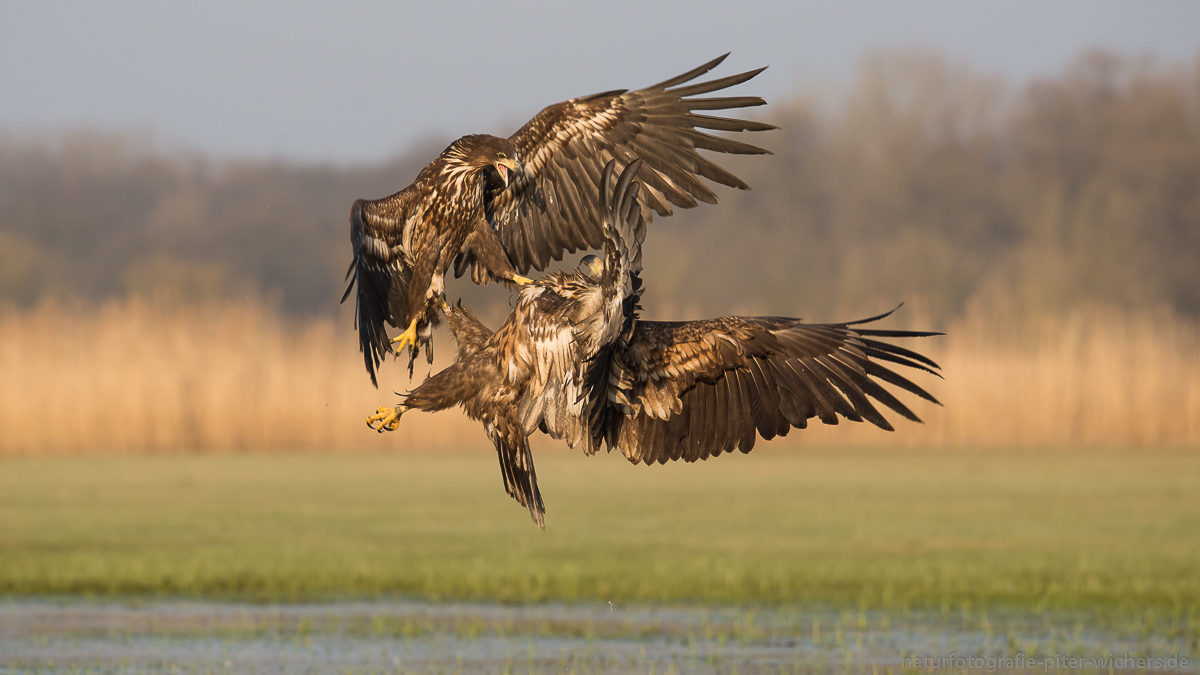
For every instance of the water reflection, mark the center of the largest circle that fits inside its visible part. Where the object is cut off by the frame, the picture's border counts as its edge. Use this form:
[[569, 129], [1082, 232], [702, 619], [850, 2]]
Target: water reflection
[[406, 637]]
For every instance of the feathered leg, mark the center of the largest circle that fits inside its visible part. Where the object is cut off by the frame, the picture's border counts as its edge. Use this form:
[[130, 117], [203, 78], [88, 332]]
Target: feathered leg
[[424, 291], [487, 257]]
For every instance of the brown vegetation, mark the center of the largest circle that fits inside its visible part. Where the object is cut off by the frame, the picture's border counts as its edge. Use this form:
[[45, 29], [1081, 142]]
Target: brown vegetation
[[1052, 230], [135, 376]]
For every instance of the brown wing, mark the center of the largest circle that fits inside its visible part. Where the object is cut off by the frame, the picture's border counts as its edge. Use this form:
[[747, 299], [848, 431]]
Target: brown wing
[[382, 232], [552, 206], [690, 390]]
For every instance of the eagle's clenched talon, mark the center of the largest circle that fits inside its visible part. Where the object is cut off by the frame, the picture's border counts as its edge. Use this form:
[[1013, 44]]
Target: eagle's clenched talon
[[406, 339], [387, 418]]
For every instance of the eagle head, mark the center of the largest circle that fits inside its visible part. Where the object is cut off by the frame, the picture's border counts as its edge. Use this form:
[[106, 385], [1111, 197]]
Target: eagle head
[[591, 267], [496, 157]]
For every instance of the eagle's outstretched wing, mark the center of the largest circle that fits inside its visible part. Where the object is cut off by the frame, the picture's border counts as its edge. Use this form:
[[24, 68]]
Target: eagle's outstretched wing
[[553, 206], [691, 390], [381, 234]]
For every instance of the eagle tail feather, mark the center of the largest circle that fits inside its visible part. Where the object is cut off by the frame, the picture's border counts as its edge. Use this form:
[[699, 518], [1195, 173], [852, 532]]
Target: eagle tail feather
[[520, 478]]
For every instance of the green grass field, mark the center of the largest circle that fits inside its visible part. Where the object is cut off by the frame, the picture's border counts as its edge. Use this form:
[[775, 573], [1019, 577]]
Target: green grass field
[[949, 531]]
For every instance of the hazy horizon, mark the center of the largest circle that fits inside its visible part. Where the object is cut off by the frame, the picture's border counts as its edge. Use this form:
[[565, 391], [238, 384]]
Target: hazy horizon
[[366, 81]]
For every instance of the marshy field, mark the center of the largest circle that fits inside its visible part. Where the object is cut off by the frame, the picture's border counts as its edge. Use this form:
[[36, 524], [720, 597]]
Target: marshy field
[[793, 559]]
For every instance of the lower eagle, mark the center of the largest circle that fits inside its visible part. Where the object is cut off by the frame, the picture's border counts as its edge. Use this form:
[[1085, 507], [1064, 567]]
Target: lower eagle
[[574, 360]]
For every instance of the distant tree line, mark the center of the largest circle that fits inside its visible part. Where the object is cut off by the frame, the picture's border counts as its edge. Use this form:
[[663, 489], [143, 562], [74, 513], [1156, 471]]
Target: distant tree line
[[922, 181]]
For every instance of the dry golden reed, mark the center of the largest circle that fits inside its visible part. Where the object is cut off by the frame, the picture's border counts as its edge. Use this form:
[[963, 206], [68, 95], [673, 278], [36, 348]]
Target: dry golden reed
[[134, 376], [1097, 377]]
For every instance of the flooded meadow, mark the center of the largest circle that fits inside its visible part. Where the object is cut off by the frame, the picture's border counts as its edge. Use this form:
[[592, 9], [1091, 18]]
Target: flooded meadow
[[56, 636]]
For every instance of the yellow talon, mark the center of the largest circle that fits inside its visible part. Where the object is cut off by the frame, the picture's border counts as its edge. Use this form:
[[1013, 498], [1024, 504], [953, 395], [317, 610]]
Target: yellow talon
[[407, 338], [521, 281], [388, 419]]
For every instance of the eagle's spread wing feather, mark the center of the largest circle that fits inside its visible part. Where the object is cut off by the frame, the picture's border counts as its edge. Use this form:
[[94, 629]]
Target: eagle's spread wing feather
[[552, 207], [691, 390], [381, 234]]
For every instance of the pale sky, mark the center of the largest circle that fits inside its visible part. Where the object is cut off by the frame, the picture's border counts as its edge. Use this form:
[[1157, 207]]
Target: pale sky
[[362, 81]]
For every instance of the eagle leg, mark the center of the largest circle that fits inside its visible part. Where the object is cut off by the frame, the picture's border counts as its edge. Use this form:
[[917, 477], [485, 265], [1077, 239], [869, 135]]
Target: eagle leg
[[487, 254], [387, 418], [407, 338]]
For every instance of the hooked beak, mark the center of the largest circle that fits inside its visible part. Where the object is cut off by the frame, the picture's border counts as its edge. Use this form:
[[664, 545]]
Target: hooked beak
[[506, 167]]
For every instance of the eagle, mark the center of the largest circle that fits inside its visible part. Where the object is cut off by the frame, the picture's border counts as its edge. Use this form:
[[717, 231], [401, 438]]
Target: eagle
[[575, 361], [499, 207]]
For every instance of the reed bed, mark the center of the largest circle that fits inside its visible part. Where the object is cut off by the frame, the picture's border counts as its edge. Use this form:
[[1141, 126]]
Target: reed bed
[[136, 376], [1095, 377]]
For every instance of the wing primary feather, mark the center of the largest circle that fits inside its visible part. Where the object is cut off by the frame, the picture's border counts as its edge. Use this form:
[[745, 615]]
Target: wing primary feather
[[888, 352], [844, 401], [860, 406], [791, 397], [728, 123], [822, 394], [770, 418], [691, 74], [728, 146], [726, 103], [879, 393], [891, 377], [719, 83], [876, 332]]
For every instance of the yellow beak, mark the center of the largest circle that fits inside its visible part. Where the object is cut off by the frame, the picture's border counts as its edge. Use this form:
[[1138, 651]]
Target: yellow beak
[[511, 165]]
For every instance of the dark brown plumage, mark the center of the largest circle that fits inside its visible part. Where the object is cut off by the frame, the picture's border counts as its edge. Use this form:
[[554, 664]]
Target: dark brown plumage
[[527, 375], [574, 361], [693, 389], [466, 209], [403, 244]]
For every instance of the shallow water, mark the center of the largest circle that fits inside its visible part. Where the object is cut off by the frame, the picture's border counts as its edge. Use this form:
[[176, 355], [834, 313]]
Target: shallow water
[[70, 636]]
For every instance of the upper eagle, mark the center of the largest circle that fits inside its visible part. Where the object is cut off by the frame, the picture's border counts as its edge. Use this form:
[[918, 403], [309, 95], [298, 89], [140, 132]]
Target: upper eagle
[[502, 206], [574, 360]]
